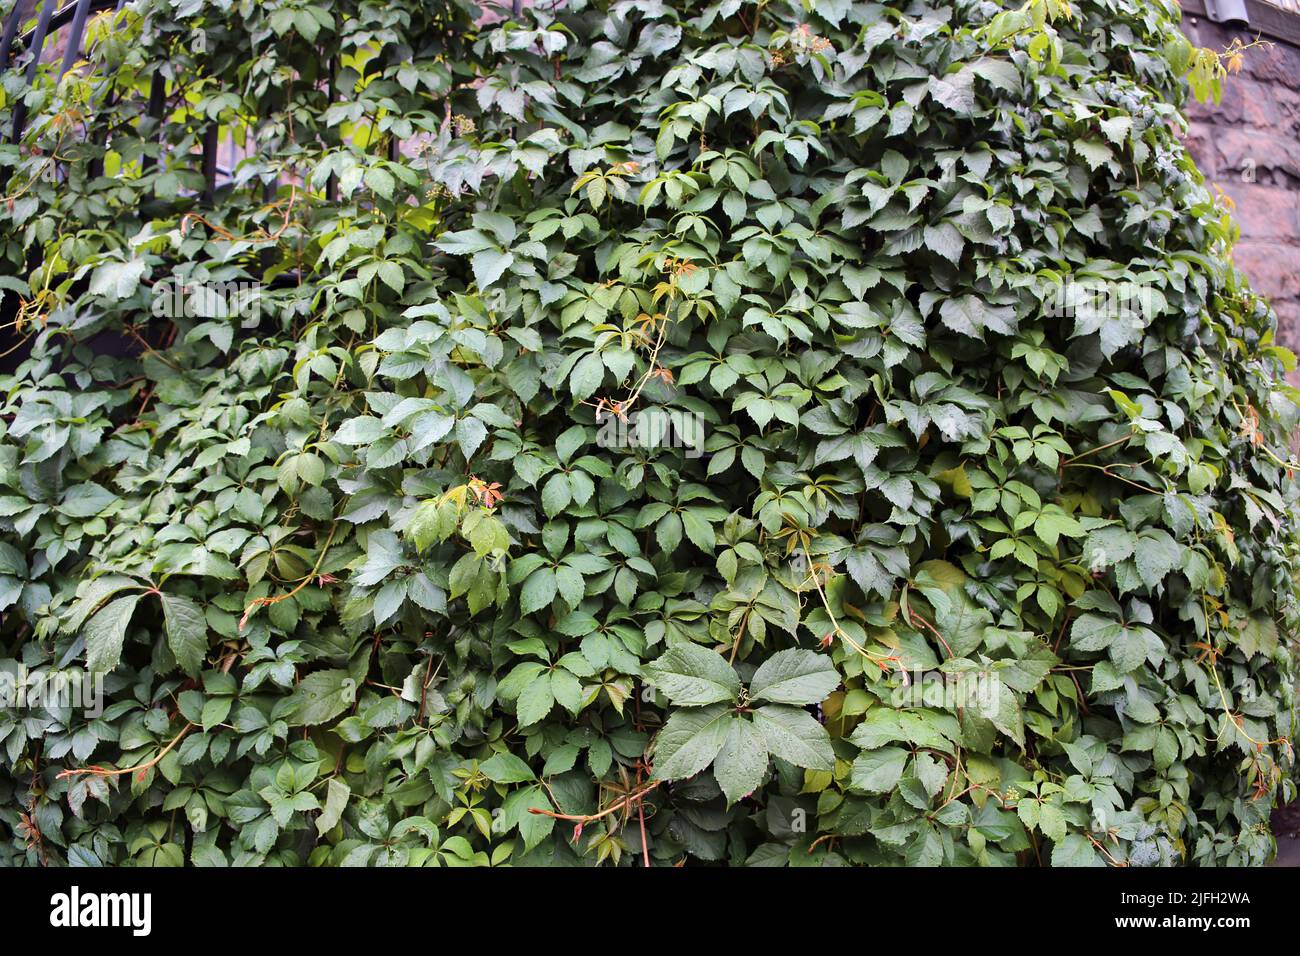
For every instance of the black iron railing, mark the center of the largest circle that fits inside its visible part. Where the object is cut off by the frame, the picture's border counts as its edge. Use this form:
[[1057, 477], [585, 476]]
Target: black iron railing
[[74, 16]]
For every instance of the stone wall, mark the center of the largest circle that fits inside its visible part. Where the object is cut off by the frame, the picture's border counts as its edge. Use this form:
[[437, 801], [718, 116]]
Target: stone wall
[[1249, 146]]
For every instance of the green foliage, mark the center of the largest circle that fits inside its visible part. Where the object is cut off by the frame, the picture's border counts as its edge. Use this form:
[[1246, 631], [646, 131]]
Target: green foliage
[[370, 582]]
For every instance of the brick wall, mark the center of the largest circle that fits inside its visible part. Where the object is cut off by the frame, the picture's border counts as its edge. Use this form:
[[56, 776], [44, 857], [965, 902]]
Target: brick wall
[[1249, 145]]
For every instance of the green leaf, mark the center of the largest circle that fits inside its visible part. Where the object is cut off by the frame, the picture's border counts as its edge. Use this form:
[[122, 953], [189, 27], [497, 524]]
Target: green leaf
[[742, 761], [1156, 555], [320, 697], [1051, 525], [117, 280], [337, 793], [464, 243], [1106, 547], [1259, 635], [505, 767], [215, 710], [1117, 128], [105, 633], [538, 591], [690, 740], [535, 700], [586, 376], [945, 240], [91, 593], [533, 827], [970, 315], [699, 531], [187, 632], [361, 430], [878, 771], [794, 735], [489, 265], [1092, 632], [962, 622], [1007, 717], [1093, 152], [432, 521], [567, 690], [391, 274], [795, 677], [1075, 850], [381, 181], [692, 676], [1000, 74], [556, 494]]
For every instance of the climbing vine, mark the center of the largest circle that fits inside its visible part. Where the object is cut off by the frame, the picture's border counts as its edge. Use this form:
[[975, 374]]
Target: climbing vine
[[637, 433]]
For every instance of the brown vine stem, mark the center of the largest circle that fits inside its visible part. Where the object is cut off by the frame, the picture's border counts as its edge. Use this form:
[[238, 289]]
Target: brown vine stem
[[144, 344], [21, 342], [913, 617], [880, 661], [140, 768], [1093, 451], [1105, 852], [429, 675], [52, 158], [824, 838], [1105, 470], [191, 217], [974, 786], [1212, 655], [620, 409], [1250, 431], [740, 633], [265, 601], [640, 812], [33, 825], [1060, 636], [585, 818]]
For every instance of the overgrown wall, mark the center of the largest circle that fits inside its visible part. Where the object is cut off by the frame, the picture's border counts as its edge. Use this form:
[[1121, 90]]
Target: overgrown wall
[[1249, 145]]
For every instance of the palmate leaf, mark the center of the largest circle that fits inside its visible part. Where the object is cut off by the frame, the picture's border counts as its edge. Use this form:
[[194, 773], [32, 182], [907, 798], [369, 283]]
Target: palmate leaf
[[738, 746]]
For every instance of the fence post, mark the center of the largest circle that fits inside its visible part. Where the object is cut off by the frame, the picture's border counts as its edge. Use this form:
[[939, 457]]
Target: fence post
[[74, 36], [38, 42]]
